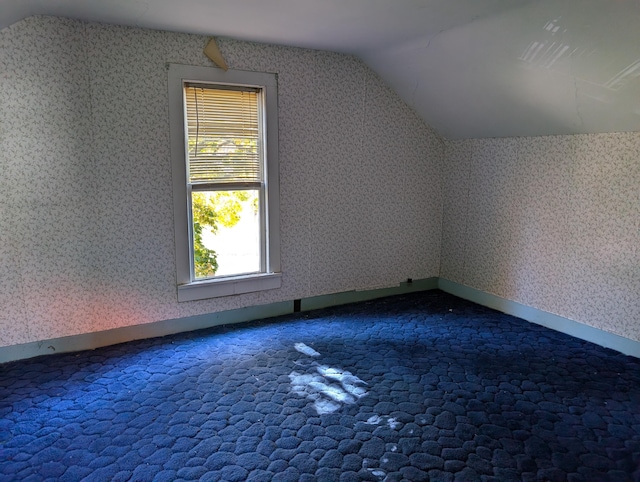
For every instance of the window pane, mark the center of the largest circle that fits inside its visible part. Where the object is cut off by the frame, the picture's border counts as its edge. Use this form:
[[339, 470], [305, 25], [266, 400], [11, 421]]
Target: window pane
[[226, 233]]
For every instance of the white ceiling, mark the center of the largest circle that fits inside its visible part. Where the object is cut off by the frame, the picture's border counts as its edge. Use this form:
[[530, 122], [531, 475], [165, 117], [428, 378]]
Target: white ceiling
[[470, 68]]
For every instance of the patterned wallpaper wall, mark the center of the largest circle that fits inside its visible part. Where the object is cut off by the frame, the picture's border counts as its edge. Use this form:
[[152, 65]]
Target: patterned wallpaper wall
[[550, 222], [86, 228]]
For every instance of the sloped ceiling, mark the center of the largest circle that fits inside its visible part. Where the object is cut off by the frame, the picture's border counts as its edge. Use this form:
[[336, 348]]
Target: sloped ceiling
[[470, 68]]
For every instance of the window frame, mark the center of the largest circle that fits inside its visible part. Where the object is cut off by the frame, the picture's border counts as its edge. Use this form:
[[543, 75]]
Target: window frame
[[188, 288]]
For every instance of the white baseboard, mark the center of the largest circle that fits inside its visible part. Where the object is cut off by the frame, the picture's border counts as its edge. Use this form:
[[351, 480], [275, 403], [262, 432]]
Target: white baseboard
[[90, 341], [539, 317]]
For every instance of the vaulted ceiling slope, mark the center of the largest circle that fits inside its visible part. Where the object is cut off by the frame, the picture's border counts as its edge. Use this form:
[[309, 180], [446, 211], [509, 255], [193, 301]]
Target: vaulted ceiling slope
[[470, 68]]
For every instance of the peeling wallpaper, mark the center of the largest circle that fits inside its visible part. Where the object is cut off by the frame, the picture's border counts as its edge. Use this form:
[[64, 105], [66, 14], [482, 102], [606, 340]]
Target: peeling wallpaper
[[549, 222], [86, 227]]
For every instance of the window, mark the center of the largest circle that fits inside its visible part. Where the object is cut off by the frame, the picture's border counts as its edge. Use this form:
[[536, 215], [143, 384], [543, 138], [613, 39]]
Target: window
[[225, 181]]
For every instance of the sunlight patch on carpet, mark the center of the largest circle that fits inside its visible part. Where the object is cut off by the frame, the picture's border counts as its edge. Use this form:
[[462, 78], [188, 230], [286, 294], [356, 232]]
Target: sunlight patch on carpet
[[329, 388], [306, 349], [378, 420]]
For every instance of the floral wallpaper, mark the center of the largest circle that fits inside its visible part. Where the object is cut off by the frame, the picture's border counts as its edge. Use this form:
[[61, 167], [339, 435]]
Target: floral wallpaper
[[549, 222], [370, 195], [86, 213]]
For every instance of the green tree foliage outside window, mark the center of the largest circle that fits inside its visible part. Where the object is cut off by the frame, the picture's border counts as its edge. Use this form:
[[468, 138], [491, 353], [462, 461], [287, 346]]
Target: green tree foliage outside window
[[209, 210]]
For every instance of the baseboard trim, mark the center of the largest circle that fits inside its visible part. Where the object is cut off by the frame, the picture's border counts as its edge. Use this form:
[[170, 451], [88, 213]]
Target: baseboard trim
[[325, 301], [539, 317], [90, 341]]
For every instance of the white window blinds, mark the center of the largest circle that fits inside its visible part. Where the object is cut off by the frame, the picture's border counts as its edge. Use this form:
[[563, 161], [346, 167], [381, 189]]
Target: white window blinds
[[223, 129]]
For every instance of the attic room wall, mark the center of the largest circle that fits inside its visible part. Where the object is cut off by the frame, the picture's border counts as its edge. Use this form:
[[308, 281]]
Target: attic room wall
[[87, 241], [549, 222], [47, 200]]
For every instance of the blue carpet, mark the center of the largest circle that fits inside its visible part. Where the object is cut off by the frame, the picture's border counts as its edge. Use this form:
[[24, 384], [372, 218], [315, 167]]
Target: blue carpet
[[415, 387]]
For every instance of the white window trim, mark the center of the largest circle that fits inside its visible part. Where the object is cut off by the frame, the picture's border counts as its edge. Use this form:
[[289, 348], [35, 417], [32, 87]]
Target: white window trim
[[188, 289]]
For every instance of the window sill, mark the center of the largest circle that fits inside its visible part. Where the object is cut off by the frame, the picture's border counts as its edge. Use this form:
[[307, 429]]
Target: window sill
[[200, 290]]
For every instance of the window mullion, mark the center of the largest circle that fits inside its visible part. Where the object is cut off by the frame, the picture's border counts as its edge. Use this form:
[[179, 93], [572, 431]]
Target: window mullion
[[227, 186]]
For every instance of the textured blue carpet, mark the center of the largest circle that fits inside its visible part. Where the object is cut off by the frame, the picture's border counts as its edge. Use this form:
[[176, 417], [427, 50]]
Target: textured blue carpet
[[417, 387]]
